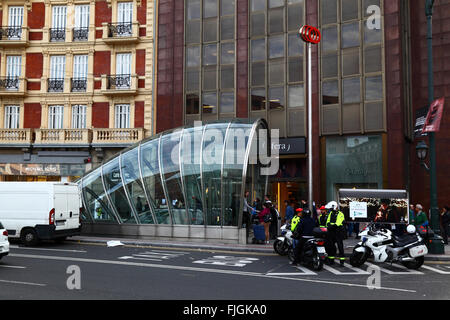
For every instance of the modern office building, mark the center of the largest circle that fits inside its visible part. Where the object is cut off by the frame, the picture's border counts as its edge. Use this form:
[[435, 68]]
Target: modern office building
[[75, 84], [219, 60]]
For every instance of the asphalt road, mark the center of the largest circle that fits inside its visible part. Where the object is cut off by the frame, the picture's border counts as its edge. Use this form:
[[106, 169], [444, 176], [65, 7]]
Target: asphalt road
[[94, 271]]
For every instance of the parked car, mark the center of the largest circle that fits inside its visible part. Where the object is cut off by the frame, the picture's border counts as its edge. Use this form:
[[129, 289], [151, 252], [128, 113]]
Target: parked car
[[4, 243], [33, 211]]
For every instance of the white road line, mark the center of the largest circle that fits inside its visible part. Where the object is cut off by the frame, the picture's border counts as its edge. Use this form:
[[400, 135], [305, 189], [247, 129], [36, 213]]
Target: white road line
[[436, 270], [12, 267], [411, 271], [304, 272], [47, 249], [185, 268], [138, 258], [408, 272], [25, 283], [356, 271]]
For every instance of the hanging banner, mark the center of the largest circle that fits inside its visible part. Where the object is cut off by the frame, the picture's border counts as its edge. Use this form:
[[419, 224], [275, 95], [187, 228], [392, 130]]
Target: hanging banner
[[433, 121]]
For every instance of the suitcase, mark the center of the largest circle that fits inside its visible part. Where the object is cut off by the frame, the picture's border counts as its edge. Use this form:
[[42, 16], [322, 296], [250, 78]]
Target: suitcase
[[259, 234]]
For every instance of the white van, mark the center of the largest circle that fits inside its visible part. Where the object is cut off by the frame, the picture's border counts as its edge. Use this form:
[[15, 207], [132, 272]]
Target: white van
[[34, 211]]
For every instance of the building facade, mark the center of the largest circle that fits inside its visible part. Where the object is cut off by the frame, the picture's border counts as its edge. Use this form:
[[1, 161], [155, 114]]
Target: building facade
[[75, 84], [243, 59]]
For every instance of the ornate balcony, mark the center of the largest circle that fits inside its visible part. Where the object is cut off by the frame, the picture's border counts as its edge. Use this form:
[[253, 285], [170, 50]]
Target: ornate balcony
[[57, 34], [120, 32], [16, 136], [55, 85], [120, 84], [13, 36], [78, 84], [64, 137], [12, 86], [80, 34], [117, 136]]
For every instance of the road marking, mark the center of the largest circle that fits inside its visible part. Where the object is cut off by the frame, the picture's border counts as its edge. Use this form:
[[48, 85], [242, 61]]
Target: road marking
[[48, 249], [24, 283], [305, 272], [137, 258], [154, 255], [228, 261], [185, 268], [390, 271], [410, 271], [436, 270], [356, 271], [13, 267]]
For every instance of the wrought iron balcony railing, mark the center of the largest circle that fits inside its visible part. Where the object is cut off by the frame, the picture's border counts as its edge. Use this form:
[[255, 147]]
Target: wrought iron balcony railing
[[80, 34], [78, 84], [119, 81], [57, 34], [120, 29], [55, 85], [9, 83], [10, 33]]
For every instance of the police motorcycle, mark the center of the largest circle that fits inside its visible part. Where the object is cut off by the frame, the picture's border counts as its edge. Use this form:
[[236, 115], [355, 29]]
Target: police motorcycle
[[314, 254], [284, 242], [380, 244]]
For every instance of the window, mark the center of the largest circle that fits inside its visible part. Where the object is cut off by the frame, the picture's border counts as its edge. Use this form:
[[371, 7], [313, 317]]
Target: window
[[13, 70], [123, 71], [59, 20], [79, 117], [210, 57], [124, 18], [81, 30], [122, 116], [80, 69], [57, 73], [15, 21], [55, 117], [12, 117]]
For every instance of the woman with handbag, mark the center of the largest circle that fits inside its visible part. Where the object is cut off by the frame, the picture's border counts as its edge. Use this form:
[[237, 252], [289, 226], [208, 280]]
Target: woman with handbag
[[265, 219]]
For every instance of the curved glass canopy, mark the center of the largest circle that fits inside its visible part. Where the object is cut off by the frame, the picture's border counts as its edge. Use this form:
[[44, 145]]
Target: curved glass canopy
[[188, 176]]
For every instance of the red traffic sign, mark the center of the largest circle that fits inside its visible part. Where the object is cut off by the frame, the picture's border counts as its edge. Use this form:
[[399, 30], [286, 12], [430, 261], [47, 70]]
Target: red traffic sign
[[310, 34], [434, 116]]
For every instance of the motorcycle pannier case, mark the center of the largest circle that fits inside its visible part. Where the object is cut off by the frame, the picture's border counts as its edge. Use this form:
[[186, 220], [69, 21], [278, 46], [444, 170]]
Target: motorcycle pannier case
[[320, 232], [418, 251]]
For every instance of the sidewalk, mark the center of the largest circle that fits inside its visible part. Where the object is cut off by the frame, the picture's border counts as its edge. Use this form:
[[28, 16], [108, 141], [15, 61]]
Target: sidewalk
[[256, 248]]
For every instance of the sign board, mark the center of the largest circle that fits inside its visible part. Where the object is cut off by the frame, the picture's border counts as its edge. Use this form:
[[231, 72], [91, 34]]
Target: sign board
[[434, 116], [290, 146], [358, 209], [421, 116]]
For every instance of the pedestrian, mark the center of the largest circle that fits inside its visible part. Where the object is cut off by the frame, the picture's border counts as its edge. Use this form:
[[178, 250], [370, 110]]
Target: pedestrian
[[264, 219], [421, 217], [412, 216], [445, 223], [336, 233], [139, 206], [274, 220], [302, 230], [246, 214], [288, 213], [322, 221]]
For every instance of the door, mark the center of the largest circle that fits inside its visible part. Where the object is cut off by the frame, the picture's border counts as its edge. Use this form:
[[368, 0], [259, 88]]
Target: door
[[80, 70], [57, 73], [15, 21], [59, 18], [122, 116], [123, 70], [124, 18], [67, 206], [55, 117], [81, 29], [12, 117], [13, 70]]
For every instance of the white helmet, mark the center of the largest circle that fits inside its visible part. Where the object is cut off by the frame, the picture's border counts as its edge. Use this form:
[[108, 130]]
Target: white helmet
[[411, 229], [331, 205]]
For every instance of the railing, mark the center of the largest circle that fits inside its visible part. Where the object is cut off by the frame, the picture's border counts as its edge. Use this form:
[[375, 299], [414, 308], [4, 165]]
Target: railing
[[9, 83], [57, 34], [63, 136], [120, 29], [80, 34], [78, 84], [102, 136], [19, 136], [120, 81], [10, 33], [55, 85]]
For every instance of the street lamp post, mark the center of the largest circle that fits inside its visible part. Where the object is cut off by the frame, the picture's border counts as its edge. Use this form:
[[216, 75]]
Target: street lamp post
[[436, 245]]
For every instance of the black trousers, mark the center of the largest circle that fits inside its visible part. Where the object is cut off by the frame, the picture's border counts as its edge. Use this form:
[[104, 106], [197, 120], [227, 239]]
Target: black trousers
[[246, 221], [298, 249], [335, 237]]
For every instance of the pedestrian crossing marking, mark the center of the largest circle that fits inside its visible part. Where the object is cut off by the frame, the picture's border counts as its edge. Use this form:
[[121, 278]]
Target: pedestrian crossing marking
[[228, 261], [407, 272], [356, 271], [436, 270], [154, 255]]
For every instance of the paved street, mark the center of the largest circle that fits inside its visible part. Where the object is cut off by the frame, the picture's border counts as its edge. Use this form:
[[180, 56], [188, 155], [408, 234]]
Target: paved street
[[135, 272]]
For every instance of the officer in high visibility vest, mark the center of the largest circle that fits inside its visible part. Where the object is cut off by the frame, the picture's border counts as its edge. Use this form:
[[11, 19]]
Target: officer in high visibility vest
[[323, 217], [295, 220], [335, 234]]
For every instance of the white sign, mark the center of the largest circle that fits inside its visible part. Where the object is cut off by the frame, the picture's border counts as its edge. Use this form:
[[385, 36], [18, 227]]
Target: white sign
[[358, 209]]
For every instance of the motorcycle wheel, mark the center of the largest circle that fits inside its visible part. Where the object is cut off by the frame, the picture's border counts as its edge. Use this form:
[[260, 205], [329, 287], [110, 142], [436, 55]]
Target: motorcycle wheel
[[279, 247], [357, 259], [317, 263], [291, 254], [415, 264]]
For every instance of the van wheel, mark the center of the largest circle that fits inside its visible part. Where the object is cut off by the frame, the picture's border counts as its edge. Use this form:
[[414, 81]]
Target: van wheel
[[29, 237]]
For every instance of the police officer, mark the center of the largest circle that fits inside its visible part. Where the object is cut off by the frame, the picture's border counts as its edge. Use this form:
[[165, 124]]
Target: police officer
[[323, 217], [303, 229], [336, 232], [295, 220]]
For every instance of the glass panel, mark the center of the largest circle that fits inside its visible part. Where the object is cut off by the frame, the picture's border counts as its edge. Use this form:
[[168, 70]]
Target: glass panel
[[227, 53], [213, 141], [95, 198], [296, 123], [210, 54], [295, 47], [351, 90], [374, 116], [276, 3], [329, 66], [349, 9], [276, 20], [296, 96], [351, 118], [295, 17], [368, 3], [371, 35], [350, 63], [258, 5], [192, 80], [227, 102], [276, 98], [372, 59], [258, 50], [329, 41], [295, 69], [152, 180], [210, 78], [190, 152], [258, 74], [134, 186], [350, 35], [227, 78], [170, 168], [276, 71], [210, 30], [193, 31], [114, 187], [209, 8], [227, 7], [192, 103], [210, 103], [193, 56], [193, 9], [227, 28], [330, 92], [258, 99], [330, 119], [328, 9], [374, 88], [258, 24], [276, 47]]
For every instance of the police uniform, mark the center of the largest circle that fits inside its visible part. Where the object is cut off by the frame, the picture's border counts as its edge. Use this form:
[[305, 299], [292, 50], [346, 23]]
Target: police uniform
[[335, 235]]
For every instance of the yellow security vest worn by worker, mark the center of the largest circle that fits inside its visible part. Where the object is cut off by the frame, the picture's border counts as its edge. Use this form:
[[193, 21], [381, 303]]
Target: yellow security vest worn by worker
[[294, 222], [335, 218]]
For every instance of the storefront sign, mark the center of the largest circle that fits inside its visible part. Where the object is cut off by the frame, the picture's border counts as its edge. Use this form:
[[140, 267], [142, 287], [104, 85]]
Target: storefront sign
[[290, 146], [36, 169], [358, 209]]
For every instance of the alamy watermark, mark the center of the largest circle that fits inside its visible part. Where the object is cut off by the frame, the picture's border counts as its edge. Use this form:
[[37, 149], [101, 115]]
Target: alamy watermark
[[74, 280], [374, 280], [374, 20]]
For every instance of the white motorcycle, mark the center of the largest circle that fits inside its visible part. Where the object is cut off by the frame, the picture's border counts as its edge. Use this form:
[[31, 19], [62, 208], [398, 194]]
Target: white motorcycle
[[383, 246], [284, 242]]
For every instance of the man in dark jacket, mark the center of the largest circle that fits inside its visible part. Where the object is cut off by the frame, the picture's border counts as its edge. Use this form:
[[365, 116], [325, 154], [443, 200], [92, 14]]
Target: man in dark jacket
[[445, 219], [304, 228]]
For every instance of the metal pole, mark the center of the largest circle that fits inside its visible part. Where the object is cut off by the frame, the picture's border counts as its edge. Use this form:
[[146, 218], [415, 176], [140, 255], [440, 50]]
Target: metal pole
[[310, 158]]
